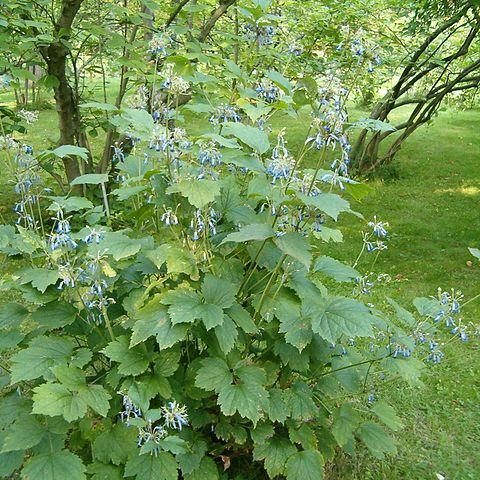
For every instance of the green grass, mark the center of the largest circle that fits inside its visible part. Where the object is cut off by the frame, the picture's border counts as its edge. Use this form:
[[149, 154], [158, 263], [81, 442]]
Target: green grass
[[431, 200]]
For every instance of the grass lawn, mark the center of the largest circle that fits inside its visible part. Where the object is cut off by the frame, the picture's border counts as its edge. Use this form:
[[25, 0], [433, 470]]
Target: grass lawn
[[431, 198]]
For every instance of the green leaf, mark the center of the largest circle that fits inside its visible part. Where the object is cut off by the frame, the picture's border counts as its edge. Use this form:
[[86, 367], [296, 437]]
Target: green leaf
[[178, 259], [345, 421], [25, 433], [335, 269], [300, 401], [40, 278], [119, 245], [54, 399], [251, 136], [242, 318], [198, 192], [36, 360], [373, 125], [132, 361], [278, 411], [90, 179], [115, 445], [9, 462], [226, 334], [55, 314], [275, 452], [247, 396], [376, 439], [333, 317], [153, 320], [255, 231], [99, 106], [297, 246], [297, 329], [191, 459], [206, 470], [174, 444], [329, 203], [55, 465], [150, 467], [96, 397], [185, 306], [124, 193], [69, 376], [70, 204], [387, 415], [218, 292], [404, 315], [428, 307], [100, 471], [305, 465], [12, 315], [72, 150], [280, 80], [214, 375]]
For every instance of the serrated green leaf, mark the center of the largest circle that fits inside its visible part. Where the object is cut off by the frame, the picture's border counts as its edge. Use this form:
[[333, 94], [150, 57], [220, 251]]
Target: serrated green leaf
[[376, 439], [96, 397], [70, 376], [178, 259], [55, 314], [214, 375], [70, 204], [9, 462], [297, 246], [25, 433], [174, 444], [387, 415], [335, 269], [119, 245], [404, 315], [185, 306], [251, 136], [150, 467], [12, 315], [275, 452], [297, 329], [191, 459], [255, 231], [329, 234], [100, 471], [305, 465], [40, 278], [242, 318], [90, 179], [247, 396], [345, 421], [206, 470], [226, 334], [333, 317], [132, 361], [55, 465], [217, 291], [199, 193], [329, 203], [36, 360], [153, 320], [115, 445], [300, 400], [54, 399], [278, 410]]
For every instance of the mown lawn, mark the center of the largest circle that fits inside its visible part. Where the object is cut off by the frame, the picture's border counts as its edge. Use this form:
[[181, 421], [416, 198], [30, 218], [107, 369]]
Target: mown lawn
[[431, 198]]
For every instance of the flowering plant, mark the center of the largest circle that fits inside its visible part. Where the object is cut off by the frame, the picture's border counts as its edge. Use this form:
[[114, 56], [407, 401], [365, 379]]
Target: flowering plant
[[183, 323]]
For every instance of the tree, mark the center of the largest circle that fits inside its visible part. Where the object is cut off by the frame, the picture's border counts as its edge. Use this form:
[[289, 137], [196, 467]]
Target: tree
[[445, 61]]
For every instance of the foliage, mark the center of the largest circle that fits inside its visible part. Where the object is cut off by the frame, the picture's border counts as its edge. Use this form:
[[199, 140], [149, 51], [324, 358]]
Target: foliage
[[185, 324]]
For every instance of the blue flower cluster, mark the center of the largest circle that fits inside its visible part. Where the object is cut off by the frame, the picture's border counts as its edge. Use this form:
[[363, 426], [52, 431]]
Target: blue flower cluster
[[150, 433], [267, 91], [224, 113]]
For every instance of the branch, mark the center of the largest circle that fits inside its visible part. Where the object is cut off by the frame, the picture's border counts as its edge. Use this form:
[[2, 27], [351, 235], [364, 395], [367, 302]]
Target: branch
[[175, 13], [216, 14]]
